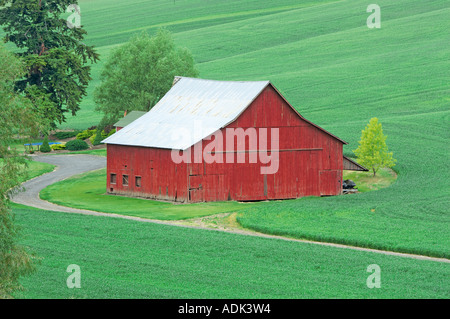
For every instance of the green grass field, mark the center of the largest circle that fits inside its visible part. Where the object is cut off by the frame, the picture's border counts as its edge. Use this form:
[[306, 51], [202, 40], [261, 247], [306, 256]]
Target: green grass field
[[338, 74], [128, 259]]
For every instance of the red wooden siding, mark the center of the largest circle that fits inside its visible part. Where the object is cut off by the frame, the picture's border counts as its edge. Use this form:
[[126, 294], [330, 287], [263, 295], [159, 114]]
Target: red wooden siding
[[161, 178], [310, 163]]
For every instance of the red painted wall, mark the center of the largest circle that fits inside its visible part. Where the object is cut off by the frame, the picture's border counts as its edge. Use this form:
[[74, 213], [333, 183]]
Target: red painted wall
[[160, 177], [310, 163]]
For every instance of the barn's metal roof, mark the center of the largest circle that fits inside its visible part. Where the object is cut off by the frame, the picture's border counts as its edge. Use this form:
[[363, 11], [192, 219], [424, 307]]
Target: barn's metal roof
[[192, 110]]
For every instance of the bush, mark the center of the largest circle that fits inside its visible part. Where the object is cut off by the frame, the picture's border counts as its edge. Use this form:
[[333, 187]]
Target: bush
[[76, 145], [111, 132], [58, 147], [45, 147], [92, 139], [64, 135], [85, 134], [97, 140]]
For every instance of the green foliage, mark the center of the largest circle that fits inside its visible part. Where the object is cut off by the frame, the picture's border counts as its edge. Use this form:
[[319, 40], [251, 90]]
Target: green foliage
[[140, 72], [65, 134], [76, 145], [372, 151], [85, 134], [111, 132], [54, 54], [97, 138], [58, 147], [17, 117], [93, 137], [45, 147]]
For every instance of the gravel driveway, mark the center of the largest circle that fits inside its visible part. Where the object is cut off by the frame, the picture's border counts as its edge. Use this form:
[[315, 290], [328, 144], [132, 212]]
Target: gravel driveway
[[67, 166]]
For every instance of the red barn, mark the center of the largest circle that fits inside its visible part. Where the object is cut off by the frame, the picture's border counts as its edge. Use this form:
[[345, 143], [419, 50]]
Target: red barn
[[223, 140]]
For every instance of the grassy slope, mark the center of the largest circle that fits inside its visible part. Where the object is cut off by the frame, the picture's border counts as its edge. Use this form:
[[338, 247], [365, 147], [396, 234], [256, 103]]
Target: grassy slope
[[126, 259], [34, 169], [112, 22], [398, 74]]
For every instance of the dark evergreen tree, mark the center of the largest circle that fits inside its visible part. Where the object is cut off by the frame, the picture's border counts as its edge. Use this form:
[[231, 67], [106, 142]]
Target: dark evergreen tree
[[55, 56], [45, 147]]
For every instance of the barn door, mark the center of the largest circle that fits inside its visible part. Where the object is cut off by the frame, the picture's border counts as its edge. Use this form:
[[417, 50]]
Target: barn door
[[196, 189], [330, 182]]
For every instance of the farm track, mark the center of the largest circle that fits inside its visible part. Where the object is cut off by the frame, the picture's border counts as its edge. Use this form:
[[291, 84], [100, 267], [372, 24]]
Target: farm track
[[70, 165]]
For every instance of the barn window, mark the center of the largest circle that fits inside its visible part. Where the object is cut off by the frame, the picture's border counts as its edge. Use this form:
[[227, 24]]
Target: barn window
[[138, 181], [125, 180], [113, 178]]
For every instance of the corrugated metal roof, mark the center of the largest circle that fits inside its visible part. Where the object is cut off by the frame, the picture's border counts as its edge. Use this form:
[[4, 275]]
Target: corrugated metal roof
[[192, 110], [129, 118]]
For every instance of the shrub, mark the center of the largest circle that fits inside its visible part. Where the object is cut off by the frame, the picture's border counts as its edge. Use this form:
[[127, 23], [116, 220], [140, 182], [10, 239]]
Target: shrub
[[85, 134], [64, 135], [111, 132], [92, 139], [58, 147], [96, 139], [76, 145], [45, 147]]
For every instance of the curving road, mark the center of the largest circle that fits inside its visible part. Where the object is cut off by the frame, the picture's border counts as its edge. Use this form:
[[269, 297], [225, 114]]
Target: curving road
[[67, 166]]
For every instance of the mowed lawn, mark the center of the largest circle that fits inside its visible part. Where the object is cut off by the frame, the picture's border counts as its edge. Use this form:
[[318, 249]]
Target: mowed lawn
[[127, 259], [88, 191]]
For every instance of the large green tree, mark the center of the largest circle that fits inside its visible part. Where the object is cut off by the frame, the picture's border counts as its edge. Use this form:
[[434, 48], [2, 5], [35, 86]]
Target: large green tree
[[372, 151], [56, 59], [140, 72], [18, 117]]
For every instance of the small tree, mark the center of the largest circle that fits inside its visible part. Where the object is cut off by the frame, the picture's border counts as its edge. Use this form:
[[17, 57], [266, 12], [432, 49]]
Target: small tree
[[45, 147], [372, 151], [139, 73], [99, 134]]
